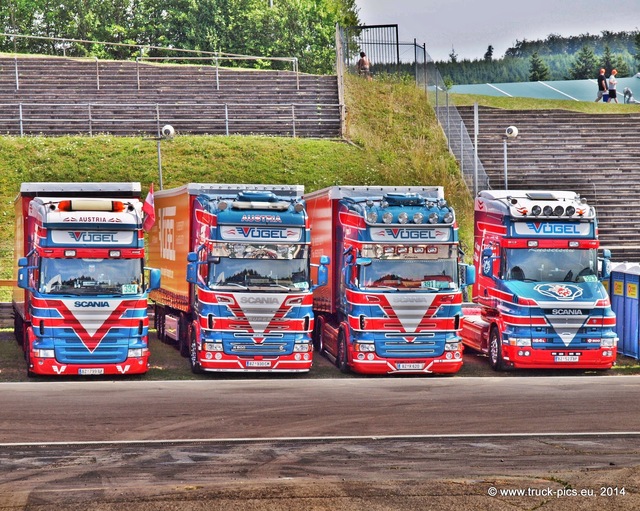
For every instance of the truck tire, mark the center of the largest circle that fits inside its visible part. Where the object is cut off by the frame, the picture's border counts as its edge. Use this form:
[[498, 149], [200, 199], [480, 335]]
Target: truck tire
[[495, 350], [193, 354], [183, 336], [159, 322], [316, 336], [27, 357], [342, 356]]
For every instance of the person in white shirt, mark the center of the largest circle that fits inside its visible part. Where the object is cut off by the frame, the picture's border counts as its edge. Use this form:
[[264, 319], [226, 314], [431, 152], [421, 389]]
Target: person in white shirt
[[612, 86]]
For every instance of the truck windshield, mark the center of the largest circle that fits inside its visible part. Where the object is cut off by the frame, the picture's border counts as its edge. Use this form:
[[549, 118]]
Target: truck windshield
[[550, 264], [276, 274], [91, 276], [423, 274]]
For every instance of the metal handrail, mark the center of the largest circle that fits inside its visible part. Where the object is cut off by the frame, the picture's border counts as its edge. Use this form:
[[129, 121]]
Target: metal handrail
[[281, 112], [142, 47], [293, 60]]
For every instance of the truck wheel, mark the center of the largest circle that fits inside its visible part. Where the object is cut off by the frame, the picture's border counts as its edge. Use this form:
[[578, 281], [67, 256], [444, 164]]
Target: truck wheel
[[341, 358], [317, 335], [27, 356], [495, 350], [183, 336], [193, 355], [159, 321]]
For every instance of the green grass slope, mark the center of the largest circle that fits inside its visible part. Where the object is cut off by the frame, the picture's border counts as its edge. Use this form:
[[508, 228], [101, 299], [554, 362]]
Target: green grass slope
[[393, 139]]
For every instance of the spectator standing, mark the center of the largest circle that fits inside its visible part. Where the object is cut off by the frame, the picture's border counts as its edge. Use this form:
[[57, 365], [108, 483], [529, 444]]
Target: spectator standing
[[613, 94], [364, 66], [602, 85]]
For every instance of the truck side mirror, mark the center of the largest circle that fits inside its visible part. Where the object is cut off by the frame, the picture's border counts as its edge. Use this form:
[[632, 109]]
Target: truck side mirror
[[606, 264], [487, 262], [323, 272], [154, 279], [469, 274], [192, 267], [192, 273], [23, 277]]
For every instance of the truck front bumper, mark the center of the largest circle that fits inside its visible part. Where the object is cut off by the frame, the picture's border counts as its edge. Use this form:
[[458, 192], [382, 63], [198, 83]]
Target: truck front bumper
[[370, 363], [528, 358], [221, 362], [51, 367]]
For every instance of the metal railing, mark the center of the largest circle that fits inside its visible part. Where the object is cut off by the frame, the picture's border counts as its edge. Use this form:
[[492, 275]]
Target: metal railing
[[216, 64], [290, 119]]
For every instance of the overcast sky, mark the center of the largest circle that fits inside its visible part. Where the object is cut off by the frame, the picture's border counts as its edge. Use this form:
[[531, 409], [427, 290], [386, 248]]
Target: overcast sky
[[470, 26]]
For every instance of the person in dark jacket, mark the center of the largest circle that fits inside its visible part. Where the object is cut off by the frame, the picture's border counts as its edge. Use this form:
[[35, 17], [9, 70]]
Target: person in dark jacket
[[602, 85]]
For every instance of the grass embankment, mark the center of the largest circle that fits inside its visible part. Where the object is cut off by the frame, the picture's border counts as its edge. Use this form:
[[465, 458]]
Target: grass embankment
[[587, 107], [395, 141]]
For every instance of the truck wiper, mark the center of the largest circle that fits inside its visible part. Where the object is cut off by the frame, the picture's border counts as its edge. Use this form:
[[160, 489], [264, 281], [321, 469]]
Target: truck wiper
[[236, 284]]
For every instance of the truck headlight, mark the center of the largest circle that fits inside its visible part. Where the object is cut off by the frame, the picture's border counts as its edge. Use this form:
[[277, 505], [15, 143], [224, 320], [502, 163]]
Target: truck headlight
[[212, 346], [136, 352], [521, 341], [301, 348], [44, 353], [608, 342], [365, 347], [452, 346]]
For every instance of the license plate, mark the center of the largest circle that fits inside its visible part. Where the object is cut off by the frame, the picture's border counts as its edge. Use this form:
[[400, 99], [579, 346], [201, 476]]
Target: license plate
[[408, 367], [567, 358], [91, 371], [259, 363]]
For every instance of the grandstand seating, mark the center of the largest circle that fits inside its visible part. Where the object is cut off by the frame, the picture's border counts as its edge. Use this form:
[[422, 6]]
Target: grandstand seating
[[56, 96], [595, 155]]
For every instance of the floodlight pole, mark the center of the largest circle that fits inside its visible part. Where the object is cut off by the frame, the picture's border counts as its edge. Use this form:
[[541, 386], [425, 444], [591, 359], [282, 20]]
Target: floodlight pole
[[167, 132], [506, 185], [158, 139]]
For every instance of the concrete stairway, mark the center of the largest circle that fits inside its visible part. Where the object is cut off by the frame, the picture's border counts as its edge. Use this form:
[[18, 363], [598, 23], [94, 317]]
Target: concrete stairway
[[56, 96], [597, 156]]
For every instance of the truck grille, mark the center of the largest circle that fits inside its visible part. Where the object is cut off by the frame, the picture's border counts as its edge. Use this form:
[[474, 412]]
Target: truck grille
[[109, 351], [250, 349], [397, 348]]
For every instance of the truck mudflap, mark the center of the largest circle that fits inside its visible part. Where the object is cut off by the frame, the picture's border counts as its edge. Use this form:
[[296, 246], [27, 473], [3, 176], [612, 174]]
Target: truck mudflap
[[526, 358], [220, 362], [369, 363], [50, 366]]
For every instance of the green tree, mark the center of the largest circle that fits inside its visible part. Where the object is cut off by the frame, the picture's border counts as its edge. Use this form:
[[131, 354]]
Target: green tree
[[488, 56], [304, 29], [585, 64], [538, 70], [607, 60], [453, 56]]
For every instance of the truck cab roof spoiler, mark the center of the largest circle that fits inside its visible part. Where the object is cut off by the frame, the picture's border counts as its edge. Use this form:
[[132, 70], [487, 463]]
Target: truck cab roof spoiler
[[232, 190], [84, 190], [341, 192]]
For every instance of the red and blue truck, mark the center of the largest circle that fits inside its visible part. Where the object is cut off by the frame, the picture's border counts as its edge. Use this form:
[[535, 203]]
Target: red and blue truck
[[539, 299], [80, 299], [393, 301], [236, 291]]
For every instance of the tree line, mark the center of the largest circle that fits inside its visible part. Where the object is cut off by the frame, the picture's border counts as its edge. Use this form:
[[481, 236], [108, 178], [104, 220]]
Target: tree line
[[272, 28], [554, 58]]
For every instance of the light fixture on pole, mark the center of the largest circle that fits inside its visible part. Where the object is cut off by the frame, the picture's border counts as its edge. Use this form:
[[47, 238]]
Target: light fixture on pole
[[510, 132], [166, 133]]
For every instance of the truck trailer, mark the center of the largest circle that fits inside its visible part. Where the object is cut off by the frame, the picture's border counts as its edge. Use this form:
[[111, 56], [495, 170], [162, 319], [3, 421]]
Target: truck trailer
[[394, 294], [80, 299], [539, 299], [236, 290]]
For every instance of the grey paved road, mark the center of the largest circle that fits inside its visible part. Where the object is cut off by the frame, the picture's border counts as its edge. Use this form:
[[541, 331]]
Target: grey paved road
[[368, 443]]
